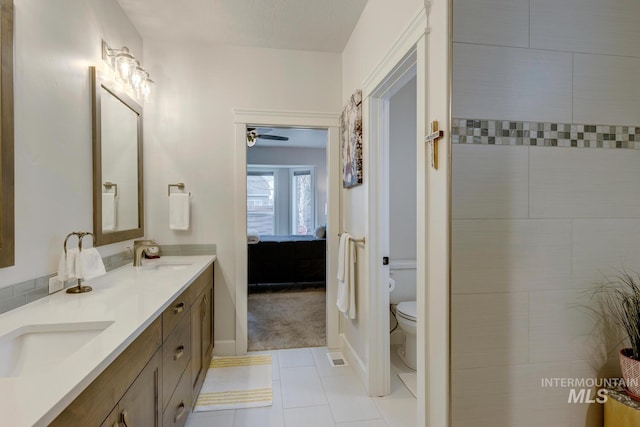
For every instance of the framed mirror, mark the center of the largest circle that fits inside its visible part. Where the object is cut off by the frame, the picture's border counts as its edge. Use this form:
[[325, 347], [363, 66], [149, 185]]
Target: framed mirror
[[118, 211], [7, 231]]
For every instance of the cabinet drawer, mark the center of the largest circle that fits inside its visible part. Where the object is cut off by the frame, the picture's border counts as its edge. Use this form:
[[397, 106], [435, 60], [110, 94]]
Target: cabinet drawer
[[176, 354], [176, 311], [179, 406]]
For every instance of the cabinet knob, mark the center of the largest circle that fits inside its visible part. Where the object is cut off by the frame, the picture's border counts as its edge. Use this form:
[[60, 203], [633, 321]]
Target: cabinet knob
[[180, 412], [178, 308], [179, 353]]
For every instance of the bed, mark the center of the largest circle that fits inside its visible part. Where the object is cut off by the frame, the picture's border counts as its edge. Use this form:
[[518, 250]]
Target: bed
[[287, 260]]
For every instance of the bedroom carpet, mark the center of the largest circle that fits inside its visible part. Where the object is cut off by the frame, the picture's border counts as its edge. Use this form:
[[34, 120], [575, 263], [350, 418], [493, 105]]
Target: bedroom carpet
[[278, 320]]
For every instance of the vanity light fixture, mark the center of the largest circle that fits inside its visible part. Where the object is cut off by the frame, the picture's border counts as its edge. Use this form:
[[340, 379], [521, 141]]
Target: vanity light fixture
[[128, 71]]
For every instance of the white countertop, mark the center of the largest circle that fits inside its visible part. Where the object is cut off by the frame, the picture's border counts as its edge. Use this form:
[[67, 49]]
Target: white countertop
[[130, 297]]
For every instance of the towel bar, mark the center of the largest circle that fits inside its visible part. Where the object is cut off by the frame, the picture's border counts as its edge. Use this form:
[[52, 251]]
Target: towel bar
[[180, 186], [362, 240]]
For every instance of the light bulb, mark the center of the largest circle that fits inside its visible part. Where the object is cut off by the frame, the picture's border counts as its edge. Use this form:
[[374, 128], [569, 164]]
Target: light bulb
[[125, 64]]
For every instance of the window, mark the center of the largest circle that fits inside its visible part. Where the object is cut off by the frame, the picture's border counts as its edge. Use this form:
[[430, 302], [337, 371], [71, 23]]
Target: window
[[281, 200], [302, 202], [260, 202]]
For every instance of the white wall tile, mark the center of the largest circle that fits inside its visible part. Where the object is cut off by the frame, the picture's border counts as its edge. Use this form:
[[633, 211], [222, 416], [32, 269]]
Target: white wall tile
[[510, 255], [509, 396], [592, 26], [566, 326], [490, 329], [495, 22], [604, 248], [490, 181], [510, 83], [605, 89], [584, 183]]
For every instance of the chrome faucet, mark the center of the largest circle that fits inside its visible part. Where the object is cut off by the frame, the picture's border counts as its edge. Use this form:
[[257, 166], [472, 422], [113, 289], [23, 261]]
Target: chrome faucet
[[138, 247]]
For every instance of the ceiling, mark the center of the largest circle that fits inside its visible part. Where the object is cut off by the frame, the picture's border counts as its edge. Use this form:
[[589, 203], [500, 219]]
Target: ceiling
[[298, 137], [316, 25]]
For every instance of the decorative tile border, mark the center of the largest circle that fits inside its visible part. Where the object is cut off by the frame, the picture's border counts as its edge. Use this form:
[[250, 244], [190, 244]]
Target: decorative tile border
[[547, 134], [23, 293]]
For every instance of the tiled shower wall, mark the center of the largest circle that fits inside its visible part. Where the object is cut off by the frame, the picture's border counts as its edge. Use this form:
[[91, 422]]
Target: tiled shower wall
[[537, 223]]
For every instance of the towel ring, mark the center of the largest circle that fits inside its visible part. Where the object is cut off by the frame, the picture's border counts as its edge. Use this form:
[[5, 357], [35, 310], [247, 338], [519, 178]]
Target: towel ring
[[180, 186], [108, 185]]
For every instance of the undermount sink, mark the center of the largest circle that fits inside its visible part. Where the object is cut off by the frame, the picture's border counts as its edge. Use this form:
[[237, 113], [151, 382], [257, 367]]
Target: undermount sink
[[36, 349], [166, 266]]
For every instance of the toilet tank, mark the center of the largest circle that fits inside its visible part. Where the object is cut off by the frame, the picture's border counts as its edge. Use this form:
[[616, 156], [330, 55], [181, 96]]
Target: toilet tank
[[403, 271]]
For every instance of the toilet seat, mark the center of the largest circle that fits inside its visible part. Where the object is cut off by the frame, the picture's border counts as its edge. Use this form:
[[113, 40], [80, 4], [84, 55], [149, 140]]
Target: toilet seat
[[407, 310]]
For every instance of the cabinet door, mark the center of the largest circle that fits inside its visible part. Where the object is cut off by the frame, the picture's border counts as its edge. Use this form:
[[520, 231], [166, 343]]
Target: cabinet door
[[140, 405], [207, 327], [113, 419], [197, 314]]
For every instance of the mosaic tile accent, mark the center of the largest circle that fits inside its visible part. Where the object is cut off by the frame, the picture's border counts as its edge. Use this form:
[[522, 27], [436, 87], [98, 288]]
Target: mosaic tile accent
[[546, 134]]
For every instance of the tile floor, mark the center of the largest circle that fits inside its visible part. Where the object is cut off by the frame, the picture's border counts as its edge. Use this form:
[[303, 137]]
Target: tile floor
[[308, 392]]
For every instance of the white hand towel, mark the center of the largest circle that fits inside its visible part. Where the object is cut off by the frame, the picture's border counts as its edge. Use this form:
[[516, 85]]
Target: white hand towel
[[346, 277], [108, 211], [67, 265], [90, 264], [179, 211]]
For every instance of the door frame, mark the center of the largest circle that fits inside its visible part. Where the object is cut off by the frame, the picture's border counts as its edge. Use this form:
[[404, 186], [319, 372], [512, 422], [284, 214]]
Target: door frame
[[430, 35], [378, 108], [301, 119]]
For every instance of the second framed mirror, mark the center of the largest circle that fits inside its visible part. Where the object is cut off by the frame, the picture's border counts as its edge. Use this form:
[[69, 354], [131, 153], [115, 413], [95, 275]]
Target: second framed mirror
[[118, 211]]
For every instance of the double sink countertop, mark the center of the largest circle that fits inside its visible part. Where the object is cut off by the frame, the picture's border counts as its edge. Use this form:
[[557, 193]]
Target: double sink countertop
[[53, 348]]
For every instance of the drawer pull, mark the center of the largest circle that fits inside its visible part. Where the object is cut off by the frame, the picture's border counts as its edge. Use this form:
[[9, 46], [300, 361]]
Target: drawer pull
[[206, 300], [180, 412], [178, 308], [179, 353], [116, 424], [125, 418]]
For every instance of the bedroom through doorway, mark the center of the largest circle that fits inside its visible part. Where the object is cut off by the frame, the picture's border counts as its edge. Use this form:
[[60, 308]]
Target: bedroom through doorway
[[287, 207]]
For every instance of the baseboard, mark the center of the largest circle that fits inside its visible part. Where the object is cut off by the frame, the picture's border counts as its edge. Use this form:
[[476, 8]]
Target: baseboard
[[355, 361], [224, 348]]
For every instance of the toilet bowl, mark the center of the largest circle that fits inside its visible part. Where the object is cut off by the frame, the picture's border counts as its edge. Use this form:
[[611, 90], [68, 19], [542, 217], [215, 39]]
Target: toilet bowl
[[406, 316]]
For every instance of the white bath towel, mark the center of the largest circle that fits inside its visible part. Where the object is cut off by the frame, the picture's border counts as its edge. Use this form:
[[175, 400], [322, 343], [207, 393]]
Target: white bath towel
[[346, 277], [67, 265], [108, 211], [253, 236], [90, 264], [179, 211]]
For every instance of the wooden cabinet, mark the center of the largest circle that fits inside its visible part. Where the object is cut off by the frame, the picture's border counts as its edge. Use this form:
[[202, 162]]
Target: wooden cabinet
[[155, 381], [202, 336]]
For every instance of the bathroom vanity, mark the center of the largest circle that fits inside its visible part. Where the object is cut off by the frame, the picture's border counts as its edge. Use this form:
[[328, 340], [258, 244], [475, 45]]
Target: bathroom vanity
[[135, 350]]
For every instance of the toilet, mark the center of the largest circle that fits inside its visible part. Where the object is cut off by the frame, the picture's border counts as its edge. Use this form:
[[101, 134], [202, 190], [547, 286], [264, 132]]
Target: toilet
[[406, 316]]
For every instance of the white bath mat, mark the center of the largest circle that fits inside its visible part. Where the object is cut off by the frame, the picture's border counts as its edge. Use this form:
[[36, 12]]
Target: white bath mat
[[410, 380], [235, 383]]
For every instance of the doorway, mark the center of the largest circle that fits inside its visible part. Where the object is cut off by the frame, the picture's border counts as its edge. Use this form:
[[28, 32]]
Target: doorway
[[329, 122], [393, 213], [286, 233]]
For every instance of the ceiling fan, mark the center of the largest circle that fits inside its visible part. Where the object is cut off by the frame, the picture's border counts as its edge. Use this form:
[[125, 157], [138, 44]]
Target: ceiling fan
[[253, 134]]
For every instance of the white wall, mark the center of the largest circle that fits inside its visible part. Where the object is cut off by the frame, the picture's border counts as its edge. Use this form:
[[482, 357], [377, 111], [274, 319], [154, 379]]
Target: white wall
[[379, 26], [55, 43], [402, 173], [536, 227], [296, 157], [190, 137]]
